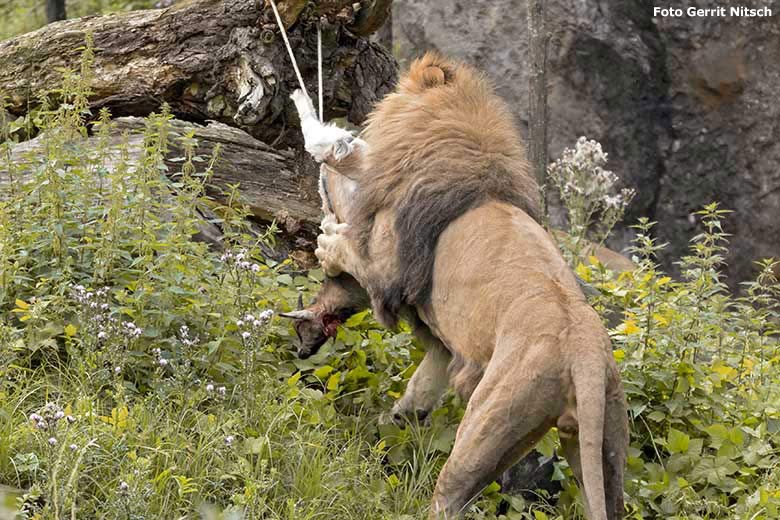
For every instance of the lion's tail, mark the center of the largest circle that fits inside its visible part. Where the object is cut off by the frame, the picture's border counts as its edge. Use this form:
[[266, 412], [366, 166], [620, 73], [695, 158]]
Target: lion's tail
[[590, 385]]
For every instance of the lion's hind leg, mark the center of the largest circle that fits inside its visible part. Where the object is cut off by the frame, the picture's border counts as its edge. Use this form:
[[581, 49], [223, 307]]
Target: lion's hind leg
[[504, 419]]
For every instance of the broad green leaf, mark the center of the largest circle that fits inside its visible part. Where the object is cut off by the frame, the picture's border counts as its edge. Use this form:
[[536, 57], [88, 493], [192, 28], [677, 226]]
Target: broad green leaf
[[294, 379], [333, 381], [322, 372], [677, 441]]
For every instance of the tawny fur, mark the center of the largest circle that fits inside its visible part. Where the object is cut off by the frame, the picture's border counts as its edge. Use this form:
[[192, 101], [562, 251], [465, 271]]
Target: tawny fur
[[525, 350], [520, 341], [441, 144], [523, 347]]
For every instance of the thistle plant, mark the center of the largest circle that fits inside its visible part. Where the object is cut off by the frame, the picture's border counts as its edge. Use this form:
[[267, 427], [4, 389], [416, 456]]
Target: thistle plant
[[589, 193]]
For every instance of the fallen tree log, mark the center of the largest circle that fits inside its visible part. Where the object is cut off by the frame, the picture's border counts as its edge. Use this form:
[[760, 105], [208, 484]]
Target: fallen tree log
[[275, 184], [209, 60]]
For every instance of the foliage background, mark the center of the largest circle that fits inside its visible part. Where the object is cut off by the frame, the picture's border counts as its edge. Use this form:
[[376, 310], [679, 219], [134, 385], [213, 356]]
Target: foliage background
[[21, 16], [197, 409]]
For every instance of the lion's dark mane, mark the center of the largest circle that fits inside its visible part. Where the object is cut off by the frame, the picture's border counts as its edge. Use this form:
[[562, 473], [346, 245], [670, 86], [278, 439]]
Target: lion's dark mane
[[439, 146]]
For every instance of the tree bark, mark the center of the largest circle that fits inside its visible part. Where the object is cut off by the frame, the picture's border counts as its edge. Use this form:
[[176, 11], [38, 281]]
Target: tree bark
[[210, 59], [537, 98], [381, 22], [384, 35], [55, 10]]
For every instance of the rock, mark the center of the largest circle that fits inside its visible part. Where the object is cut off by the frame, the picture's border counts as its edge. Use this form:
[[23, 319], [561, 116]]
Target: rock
[[684, 106]]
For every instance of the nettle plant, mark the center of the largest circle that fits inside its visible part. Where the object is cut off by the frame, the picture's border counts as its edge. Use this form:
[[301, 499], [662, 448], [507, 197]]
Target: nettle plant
[[179, 387], [699, 366]]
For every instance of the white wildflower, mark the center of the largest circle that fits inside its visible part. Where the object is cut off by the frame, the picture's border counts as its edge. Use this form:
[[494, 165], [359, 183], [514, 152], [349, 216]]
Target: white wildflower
[[131, 330], [611, 201]]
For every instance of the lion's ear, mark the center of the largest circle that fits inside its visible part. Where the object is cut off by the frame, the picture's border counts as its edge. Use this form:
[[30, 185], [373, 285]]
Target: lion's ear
[[432, 76]]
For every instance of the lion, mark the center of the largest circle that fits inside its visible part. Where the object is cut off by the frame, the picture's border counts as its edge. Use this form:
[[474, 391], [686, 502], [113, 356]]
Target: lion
[[443, 127], [456, 245]]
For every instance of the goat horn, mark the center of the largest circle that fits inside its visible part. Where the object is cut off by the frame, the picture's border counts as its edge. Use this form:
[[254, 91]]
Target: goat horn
[[299, 315], [300, 301]]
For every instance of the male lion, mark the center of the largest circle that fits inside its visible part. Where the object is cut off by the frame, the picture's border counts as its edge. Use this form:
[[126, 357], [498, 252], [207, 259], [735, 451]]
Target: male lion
[[441, 221]]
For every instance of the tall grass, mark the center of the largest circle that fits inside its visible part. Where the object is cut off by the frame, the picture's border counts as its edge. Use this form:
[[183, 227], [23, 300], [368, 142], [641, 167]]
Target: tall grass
[[144, 374]]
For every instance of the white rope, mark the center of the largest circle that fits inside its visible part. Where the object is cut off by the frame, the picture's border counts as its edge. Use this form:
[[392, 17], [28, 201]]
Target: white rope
[[319, 68], [289, 49]]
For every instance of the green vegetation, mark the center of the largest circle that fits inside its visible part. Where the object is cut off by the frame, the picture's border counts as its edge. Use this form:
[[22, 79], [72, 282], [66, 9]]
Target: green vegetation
[[21, 16], [143, 375]]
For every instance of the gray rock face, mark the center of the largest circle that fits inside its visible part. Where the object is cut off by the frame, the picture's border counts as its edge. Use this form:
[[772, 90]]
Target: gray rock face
[[686, 107]]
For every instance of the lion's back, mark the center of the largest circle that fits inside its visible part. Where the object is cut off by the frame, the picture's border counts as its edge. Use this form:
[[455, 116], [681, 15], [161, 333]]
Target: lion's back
[[440, 145]]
